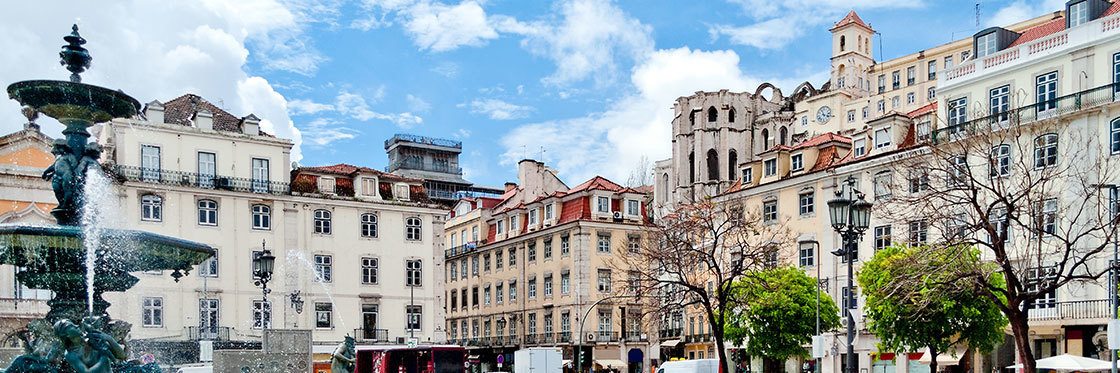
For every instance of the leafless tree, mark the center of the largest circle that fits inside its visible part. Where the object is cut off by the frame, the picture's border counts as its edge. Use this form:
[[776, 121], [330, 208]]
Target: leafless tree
[[641, 175], [1025, 194], [691, 257]]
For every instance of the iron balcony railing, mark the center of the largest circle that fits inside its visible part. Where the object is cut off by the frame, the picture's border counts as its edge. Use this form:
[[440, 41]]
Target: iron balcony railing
[[670, 333], [1069, 310], [372, 335], [635, 336], [530, 339], [461, 249], [424, 166], [564, 337], [606, 336], [206, 181], [423, 140], [1034, 112], [208, 333]]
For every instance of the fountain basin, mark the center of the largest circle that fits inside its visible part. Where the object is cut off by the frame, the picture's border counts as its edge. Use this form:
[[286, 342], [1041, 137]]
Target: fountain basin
[[68, 101]]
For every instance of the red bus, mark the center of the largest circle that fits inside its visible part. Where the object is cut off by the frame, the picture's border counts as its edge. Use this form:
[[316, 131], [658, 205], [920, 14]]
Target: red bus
[[402, 359]]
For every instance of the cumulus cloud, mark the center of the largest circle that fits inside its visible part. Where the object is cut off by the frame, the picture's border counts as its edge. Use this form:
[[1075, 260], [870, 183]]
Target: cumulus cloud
[[324, 131], [199, 47], [355, 106], [1019, 11], [499, 110], [778, 23], [304, 107]]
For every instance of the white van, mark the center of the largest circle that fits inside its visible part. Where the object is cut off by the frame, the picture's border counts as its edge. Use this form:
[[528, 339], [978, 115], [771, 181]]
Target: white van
[[690, 366]]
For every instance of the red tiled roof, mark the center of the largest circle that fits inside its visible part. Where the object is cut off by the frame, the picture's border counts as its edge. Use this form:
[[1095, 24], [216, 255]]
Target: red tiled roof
[[350, 170], [826, 158], [597, 183], [1053, 26], [734, 187], [1114, 9], [821, 139], [488, 202], [922, 110], [579, 208], [181, 111], [851, 18], [644, 189]]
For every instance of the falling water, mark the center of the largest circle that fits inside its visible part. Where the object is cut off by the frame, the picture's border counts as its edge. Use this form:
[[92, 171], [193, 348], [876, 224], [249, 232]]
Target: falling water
[[295, 255], [101, 211]]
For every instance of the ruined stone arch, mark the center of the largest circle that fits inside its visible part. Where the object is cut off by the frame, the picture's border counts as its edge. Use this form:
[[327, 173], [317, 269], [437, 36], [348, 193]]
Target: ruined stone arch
[[803, 91], [776, 94]]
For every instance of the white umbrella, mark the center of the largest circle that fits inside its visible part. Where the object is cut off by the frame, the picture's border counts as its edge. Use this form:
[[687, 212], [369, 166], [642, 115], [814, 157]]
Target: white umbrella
[[1069, 362]]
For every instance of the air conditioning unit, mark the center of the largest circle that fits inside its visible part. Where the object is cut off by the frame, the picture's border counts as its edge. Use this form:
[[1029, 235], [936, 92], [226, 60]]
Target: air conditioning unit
[[224, 183], [617, 215], [400, 340], [590, 336]]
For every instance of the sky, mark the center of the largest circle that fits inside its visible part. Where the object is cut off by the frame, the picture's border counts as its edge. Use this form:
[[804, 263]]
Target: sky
[[587, 86]]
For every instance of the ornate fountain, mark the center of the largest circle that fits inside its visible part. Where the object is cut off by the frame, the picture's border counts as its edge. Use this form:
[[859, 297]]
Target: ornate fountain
[[77, 334]]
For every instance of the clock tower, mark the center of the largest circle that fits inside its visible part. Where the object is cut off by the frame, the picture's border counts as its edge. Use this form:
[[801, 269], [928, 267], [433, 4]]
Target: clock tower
[[852, 55]]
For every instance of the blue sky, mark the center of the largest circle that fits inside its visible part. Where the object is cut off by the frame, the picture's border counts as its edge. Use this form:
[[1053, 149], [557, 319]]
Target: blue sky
[[587, 85]]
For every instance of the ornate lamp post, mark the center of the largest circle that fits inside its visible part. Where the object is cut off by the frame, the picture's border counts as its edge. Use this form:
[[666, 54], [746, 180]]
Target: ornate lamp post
[[263, 266], [850, 215]]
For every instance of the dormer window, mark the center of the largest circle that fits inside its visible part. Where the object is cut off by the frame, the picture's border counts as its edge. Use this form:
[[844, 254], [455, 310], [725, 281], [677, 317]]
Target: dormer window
[[326, 185], [986, 44], [796, 162], [631, 207], [747, 177], [501, 226], [548, 213], [401, 192], [770, 167], [533, 214], [602, 204], [513, 223], [859, 147], [368, 185], [882, 138], [1078, 13]]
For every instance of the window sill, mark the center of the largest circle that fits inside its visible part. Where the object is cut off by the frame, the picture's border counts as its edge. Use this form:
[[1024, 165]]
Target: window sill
[[262, 229]]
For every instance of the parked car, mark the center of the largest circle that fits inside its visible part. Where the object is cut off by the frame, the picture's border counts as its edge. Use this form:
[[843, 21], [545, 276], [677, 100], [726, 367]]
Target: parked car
[[690, 366]]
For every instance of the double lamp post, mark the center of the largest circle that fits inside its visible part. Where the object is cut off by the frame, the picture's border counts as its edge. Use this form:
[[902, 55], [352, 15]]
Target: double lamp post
[[850, 215]]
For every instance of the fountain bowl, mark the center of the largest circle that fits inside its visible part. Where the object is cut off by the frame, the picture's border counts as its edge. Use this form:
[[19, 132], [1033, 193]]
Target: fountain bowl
[[69, 101]]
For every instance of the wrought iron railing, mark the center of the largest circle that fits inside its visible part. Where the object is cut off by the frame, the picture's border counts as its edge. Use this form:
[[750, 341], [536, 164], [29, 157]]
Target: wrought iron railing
[[564, 337], [208, 333], [423, 166], [670, 333], [372, 335], [205, 181], [635, 336], [423, 140], [458, 250], [605, 336], [1067, 310], [1030, 113]]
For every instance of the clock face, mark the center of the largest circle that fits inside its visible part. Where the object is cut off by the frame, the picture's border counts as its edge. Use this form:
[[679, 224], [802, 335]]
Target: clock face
[[824, 114]]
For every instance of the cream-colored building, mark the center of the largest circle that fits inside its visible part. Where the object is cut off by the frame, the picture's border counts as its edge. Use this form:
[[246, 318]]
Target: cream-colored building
[[545, 255]]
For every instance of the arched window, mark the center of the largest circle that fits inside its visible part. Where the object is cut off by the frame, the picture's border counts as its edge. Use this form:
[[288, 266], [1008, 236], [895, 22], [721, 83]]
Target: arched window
[[713, 165], [765, 139], [692, 118], [783, 135], [207, 212], [412, 229], [262, 217], [151, 208], [665, 181], [322, 222], [1114, 136], [1046, 150], [691, 167], [732, 163], [859, 42], [712, 114], [369, 225], [842, 44], [731, 115]]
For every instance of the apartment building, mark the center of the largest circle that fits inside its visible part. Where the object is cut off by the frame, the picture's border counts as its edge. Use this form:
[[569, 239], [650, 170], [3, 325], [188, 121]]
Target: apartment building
[[545, 255]]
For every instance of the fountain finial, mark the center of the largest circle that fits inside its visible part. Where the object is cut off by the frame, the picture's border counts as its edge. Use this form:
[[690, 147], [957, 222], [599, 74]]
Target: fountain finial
[[74, 56]]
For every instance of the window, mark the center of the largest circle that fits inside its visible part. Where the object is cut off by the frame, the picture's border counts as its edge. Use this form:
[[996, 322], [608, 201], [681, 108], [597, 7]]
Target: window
[[958, 111], [262, 217], [412, 229], [910, 98], [208, 311], [748, 176], [463, 268], [770, 211], [260, 175], [851, 115], [632, 207], [531, 324], [326, 185], [547, 248], [712, 114], [1047, 219], [931, 69], [153, 312], [262, 314], [958, 170], [882, 138], [149, 163], [1078, 13], [805, 203], [565, 246], [548, 212], [513, 226], [512, 256], [948, 62], [322, 220], [882, 83], [474, 265], [369, 227], [413, 272], [895, 102], [931, 93], [964, 55], [604, 243], [634, 244], [804, 121], [604, 281], [323, 268], [998, 220], [986, 44], [512, 291], [770, 167], [602, 204], [882, 235], [850, 296], [924, 130], [151, 208], [864, 112], [474, 234], [547, 285], [498, 259], [533, 216], [501, 226], [207, 212], [209, 268], [1000, 164], [486, 295], [1035, 278], [806, 255], [415, 314], [918, 182], [883, 185], [882, 106], [998, 101], [911, 75], [207, 169], [1046, 150], [369, 186], [565, 282], [499, 293], [896, 79], [1046, 90], [1114, 135], [369, 271], [465, 303], [323, 317], [859, 147], [531, 252], [918, 232]]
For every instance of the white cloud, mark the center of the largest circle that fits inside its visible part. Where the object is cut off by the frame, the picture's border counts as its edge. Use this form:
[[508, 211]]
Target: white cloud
[[304, 107], [1019, 11], [323, 132], [499, 110], [417, 104], [778, 23], [438, 27], [172, 48], [355, 106], [447, 68]]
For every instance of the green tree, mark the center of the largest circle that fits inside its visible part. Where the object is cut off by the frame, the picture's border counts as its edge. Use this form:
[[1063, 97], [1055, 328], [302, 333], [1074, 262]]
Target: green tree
[[909, 307], [775, 312]]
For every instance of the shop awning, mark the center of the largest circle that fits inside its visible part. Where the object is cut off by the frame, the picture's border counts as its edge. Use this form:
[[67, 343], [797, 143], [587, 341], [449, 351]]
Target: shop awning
[[944, 359], [611, 363], [671, 343]]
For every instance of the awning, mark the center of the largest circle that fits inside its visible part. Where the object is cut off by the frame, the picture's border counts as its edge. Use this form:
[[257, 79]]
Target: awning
[[671, 343], [1067, 362], [611, 363], [944, 359]]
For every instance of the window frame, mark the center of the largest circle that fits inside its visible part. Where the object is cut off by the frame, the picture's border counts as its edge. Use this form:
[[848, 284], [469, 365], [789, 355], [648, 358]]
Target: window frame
[[152, 312], [321, 221], [414, 229], [151, 207], [207, 215], [262, 218]]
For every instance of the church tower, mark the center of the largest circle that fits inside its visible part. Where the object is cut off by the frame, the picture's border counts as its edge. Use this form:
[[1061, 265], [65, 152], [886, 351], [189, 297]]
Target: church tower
[[852, 54]]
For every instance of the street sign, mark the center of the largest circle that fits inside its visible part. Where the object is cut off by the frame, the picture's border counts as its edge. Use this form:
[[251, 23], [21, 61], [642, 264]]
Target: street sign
[[147, 359], [818, 346], [501, 359], [1114, 334], [412, 342]]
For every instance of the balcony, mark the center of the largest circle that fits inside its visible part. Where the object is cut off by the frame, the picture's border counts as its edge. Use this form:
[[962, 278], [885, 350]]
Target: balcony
[[697, 338], [372, 335], [205, 181], [423, 140], [636, 336], [424, 166], [1069, 310], [458, 250], [1067, 104], [564, 337], [546, 338], [606, 336], [210, 333], [670, 333], [530, 339]]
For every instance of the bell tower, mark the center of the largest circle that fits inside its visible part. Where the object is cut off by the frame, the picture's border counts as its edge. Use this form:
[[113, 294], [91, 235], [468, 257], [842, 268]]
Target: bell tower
[[852, 53]]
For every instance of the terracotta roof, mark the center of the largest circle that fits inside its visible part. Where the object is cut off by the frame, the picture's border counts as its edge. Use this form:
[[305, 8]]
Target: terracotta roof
[[182, 109], [1053, 26], [828, 157], [922, 110], [597, 183], [350, 170], [734, 187], [489, 202], [851, 18], [821, 139], [644, 189], [1114, 9]]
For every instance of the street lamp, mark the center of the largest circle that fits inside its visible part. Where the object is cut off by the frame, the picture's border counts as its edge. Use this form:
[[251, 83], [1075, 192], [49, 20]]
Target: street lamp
[[850, 215], [1112, 210], [263, 266]]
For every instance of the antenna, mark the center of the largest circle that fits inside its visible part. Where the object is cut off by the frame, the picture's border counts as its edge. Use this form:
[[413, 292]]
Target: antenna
[[977, 16]]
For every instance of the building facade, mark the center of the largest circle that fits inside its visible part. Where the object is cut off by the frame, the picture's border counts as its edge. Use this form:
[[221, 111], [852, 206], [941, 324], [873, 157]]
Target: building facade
[[436, 162]]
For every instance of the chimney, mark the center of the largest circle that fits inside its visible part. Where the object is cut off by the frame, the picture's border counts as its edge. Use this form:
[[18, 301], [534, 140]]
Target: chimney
[[204, 119], [154, 112], [251, 125], [510, 186]]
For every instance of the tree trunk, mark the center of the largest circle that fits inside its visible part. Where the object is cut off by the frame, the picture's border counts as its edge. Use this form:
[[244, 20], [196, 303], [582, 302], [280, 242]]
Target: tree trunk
[[723, 363], [932, 360], [1020, 330]]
